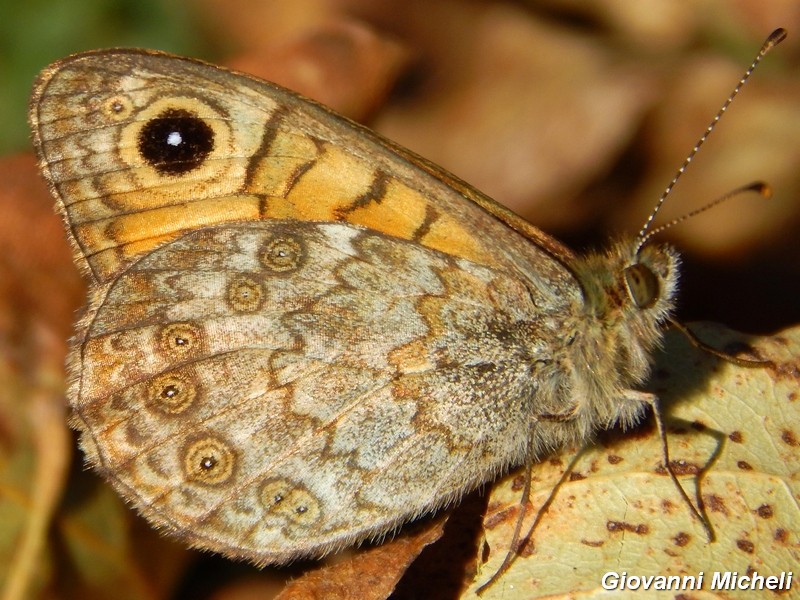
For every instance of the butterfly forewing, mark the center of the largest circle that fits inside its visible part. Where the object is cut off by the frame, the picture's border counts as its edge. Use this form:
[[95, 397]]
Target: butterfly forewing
[[265, 153]]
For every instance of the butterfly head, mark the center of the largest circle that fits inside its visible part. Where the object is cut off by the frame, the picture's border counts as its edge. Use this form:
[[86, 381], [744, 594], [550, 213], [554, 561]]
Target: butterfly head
[[625, 282], [650, 279], [628, 295]]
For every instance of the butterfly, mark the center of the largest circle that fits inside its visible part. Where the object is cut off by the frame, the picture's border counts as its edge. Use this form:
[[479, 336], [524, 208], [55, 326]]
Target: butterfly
[[300, 335]]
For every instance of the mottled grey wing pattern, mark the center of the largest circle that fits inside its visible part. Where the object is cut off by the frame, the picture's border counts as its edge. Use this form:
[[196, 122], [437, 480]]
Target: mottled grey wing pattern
[[311, 384]]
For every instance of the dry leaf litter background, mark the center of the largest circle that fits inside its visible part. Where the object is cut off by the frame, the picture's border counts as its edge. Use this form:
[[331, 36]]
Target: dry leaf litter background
[[576, 114]]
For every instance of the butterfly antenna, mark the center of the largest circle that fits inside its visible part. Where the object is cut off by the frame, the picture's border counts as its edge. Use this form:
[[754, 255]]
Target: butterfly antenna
[[775, 38], [758, 186]]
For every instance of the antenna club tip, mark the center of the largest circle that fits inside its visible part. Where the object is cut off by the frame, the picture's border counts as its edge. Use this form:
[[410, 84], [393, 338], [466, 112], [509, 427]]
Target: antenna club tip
[[775, 38], [762, 188]]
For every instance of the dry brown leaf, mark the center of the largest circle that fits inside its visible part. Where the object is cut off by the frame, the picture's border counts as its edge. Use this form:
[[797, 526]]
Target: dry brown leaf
[[35, 445], [369, 574], [53, 538], [620, 512], [343, 64]]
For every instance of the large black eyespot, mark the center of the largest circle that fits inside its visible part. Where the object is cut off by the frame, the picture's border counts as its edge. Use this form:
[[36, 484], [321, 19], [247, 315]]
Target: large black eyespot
[[176, 142]]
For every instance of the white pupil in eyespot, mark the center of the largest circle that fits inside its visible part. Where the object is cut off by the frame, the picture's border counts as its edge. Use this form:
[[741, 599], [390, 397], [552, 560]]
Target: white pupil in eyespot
[[174, 138]]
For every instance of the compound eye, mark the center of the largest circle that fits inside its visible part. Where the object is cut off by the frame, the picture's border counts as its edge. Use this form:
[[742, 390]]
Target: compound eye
[[642, 285]]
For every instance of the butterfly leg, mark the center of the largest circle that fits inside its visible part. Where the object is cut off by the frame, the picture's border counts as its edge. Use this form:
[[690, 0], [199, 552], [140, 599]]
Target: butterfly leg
[[561, 417], [652, 401], [518, 540]]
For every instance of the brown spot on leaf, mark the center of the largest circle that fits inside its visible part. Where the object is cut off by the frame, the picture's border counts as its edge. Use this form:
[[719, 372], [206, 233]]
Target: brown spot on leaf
[[593, 544], [736, 437], [575, 476], [787, 371], [699, 426], [744, 465], [745, 546], [764, 511], [789, 438], [525, 548], [614, 526], [518, 483], [679, 467], [781, 535], [614, 459], [715, 503], [681, 539]]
